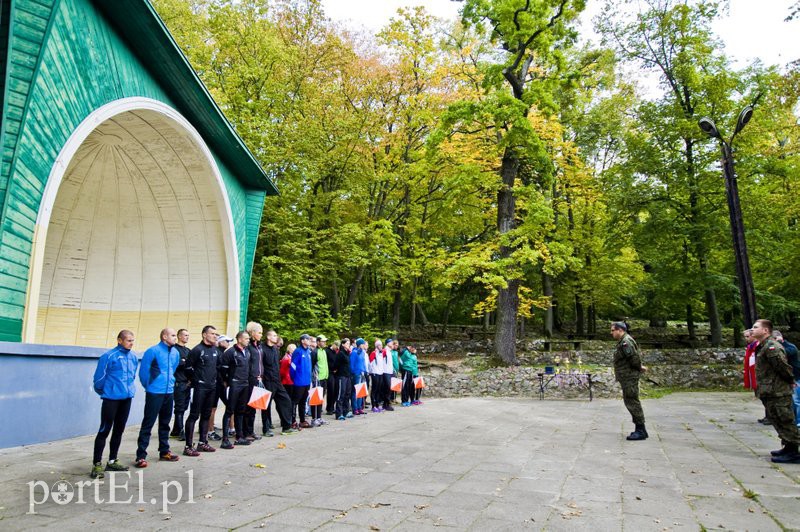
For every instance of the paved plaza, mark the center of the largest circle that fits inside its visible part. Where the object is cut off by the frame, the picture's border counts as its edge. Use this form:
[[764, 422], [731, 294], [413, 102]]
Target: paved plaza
[[476, 463]]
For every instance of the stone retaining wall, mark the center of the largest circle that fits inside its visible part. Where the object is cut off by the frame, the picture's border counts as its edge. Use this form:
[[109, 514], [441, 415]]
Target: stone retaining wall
[[696, 369]]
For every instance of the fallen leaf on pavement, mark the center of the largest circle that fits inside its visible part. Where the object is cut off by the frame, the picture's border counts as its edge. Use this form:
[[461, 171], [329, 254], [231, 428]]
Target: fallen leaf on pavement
[[281, 446], [260, 466]]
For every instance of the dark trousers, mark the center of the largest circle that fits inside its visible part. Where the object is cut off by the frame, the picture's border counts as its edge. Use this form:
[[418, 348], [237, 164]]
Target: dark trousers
[[113, 415], [290, 390], [181, 397], [282, 401], [203, 401], [316, 411], [375, 390], [333, 394], [343, 386], [156, 405], [387, 389], [407, 393], [299, 398], [249, 414], [237, 401]]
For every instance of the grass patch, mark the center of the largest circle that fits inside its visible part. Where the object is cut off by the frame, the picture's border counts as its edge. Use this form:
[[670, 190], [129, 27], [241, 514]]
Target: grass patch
[[657, 392]]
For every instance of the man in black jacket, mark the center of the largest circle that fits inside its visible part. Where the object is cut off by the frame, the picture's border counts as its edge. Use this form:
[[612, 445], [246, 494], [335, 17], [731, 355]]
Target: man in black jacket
[[201, 372], [256, 369], [182, 389], [333, 382], [235, 373], [272, 382]]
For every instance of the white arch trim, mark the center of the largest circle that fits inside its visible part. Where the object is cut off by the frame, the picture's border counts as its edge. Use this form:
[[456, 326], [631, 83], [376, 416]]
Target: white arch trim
[[56, 176]]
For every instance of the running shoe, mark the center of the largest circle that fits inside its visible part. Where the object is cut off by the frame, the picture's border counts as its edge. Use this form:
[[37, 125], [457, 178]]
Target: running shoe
[[140, 463], [242, 441], [226, 444], [389, 408], [341, 418], [169, 456], [205, 448], [115, 466], [189, 451], [349, 415], [214, 436], [97, 470], [305, 425]]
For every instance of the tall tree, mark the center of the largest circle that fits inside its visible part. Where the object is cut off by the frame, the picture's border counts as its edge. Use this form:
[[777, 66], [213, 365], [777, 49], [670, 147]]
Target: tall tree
[[531, 35]]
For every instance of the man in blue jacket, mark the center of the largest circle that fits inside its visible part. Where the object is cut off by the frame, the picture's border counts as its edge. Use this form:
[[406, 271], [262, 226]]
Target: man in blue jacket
[[114, 383], [300, 371], [157, 375]]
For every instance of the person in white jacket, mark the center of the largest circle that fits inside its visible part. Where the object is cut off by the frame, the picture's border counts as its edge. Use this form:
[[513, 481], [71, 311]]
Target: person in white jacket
[[377, 365], [388, 373]]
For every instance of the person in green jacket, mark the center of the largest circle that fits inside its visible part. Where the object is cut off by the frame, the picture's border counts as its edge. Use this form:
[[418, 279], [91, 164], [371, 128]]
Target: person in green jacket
[[395, 364], [319, 360], [408, 370]]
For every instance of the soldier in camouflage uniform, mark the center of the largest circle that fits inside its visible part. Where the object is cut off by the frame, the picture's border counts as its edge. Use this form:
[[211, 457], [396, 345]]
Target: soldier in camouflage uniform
[[627, 370], [775, 383]]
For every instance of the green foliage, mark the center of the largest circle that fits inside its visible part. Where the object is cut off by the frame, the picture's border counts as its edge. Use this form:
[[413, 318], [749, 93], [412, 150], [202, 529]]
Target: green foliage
[[388, 152]]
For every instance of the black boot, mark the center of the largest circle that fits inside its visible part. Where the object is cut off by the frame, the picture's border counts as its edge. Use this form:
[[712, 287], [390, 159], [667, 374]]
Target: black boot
[[640, 433], [791, 456], [780, 451]]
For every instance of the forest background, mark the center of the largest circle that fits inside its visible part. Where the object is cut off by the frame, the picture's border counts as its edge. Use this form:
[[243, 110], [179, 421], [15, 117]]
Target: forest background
[[494, 172]]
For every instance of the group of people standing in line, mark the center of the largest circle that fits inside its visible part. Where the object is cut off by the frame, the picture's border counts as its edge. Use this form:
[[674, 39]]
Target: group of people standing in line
[[177, 378]]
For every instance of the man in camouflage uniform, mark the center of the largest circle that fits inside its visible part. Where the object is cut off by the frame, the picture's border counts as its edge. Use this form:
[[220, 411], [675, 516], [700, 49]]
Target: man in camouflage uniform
[[627, 370], [775, 383]]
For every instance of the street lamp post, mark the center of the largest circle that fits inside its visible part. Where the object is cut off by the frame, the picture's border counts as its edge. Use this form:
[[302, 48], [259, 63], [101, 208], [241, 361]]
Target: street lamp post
[[745, 278]]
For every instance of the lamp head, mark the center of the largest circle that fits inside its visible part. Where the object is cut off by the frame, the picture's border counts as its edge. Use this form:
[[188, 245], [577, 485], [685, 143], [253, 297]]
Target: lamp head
[[708, 127], [744, 118]]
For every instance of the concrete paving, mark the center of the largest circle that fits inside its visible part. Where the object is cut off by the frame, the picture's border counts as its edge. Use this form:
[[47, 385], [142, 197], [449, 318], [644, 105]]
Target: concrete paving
[[474, 463]]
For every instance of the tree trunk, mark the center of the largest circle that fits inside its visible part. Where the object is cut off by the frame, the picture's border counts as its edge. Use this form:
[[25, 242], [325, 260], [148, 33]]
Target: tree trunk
[[592, 329], [398, 300], [690, 322], [446, 317], [413, 321], [713, 317], [547, 291], [335, 304], [422, 315], [486, 319], [578, 315], [508, 297], [353, 292], [506, 326]]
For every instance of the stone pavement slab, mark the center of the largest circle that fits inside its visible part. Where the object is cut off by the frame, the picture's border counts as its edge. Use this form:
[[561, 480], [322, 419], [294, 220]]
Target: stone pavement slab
[[462, 464]]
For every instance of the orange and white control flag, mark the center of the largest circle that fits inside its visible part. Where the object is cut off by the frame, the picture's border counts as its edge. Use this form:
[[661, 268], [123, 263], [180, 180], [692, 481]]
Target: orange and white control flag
[[259, 398], [396, 385], [361, 390], [315, 396]]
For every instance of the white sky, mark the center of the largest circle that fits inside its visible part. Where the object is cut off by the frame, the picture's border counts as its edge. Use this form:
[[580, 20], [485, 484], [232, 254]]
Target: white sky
[[753, 29]]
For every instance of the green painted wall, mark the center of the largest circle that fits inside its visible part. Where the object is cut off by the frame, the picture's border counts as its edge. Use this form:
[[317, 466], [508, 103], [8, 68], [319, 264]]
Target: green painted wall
[[65, 61]]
